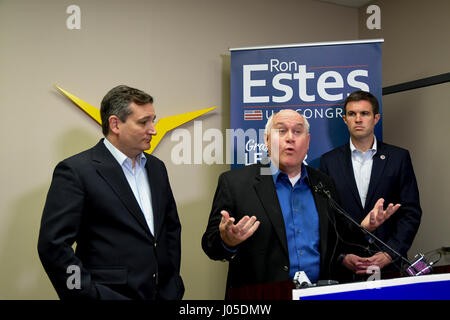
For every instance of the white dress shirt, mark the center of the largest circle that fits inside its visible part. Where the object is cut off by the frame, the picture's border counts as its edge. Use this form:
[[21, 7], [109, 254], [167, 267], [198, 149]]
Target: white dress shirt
[[362, 168], [137, 179]]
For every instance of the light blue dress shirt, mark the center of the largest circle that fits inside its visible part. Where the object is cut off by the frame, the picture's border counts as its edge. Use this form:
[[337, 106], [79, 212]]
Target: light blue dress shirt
[[362, 168], [137, 179]]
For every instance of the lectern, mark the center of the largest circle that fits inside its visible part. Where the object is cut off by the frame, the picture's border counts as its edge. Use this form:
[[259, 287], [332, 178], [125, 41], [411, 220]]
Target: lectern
[[392, 286], [428, 287]]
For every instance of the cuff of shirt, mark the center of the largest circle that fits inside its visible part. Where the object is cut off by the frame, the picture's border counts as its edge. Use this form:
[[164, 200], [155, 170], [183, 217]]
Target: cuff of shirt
[[341, 258], [231, 251], [228, 249]]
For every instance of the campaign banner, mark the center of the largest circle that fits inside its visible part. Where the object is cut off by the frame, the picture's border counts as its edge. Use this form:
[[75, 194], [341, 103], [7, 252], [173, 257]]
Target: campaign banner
[[314, 79]]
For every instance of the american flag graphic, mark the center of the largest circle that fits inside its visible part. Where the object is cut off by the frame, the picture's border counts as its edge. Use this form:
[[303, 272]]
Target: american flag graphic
[[253, 115]]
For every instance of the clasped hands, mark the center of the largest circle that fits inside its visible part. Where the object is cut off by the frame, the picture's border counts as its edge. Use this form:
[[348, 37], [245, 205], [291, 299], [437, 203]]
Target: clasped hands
[[361, 265]]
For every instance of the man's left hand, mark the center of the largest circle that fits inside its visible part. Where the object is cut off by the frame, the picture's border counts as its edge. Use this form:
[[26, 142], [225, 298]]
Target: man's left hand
[[378, 216]]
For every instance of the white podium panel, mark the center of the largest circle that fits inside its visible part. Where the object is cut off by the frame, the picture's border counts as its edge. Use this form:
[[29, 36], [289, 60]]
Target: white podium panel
[[428, 287]]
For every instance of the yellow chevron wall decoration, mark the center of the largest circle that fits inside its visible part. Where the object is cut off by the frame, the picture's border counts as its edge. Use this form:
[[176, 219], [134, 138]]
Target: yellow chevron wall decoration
[[163, 126]]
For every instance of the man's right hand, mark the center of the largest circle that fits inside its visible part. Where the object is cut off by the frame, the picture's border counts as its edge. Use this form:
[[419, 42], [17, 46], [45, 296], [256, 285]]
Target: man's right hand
[[234, 234]]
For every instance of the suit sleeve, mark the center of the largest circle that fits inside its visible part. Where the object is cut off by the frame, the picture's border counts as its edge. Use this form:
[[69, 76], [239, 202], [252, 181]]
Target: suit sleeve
[[407, 219], [173, 287], [60, 227], [211, 241], [173, 225]]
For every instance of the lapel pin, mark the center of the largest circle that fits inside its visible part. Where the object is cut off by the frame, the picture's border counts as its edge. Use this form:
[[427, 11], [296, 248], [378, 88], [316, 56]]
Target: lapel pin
[[382, 157]]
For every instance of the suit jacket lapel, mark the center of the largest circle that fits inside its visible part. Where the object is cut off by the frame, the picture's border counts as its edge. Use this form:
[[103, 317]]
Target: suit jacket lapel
[[267, 194], [154, 182], [348, 174], [380, 159], [322, 210], [111, 171]]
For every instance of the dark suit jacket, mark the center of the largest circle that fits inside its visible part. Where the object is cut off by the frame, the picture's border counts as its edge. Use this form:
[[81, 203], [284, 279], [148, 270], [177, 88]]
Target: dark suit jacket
[[392, 179], [264, 256], [90, 202]]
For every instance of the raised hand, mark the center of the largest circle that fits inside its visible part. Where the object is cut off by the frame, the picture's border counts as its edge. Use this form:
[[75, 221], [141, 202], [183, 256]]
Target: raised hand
[[377, 216], [234, 234]]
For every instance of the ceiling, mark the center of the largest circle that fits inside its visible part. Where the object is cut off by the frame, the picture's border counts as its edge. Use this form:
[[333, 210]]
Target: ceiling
[[349, 3]]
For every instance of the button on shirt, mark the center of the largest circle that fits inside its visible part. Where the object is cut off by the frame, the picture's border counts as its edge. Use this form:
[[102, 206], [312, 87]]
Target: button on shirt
[[302, 222], [362, 168], [137, 179]]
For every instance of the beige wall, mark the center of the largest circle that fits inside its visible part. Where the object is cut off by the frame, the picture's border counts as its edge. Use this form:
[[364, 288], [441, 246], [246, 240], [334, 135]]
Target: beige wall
[[416, 46], [175, 50], [178, 52]]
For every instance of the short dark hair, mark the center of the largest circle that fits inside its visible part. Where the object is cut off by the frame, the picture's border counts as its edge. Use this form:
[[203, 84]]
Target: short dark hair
[[363, 95], [117, 102]]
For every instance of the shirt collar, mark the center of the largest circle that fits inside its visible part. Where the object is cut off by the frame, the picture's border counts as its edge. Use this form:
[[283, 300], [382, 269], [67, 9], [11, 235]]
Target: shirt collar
[[277, 172], [373, 149], [121, 157]]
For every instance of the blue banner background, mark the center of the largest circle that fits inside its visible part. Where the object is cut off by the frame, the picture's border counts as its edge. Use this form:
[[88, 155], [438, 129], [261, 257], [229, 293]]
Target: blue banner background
[[360, 61]]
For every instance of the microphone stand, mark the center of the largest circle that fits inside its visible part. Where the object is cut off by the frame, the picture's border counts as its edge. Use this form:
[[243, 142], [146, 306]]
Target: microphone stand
[[419, 267]]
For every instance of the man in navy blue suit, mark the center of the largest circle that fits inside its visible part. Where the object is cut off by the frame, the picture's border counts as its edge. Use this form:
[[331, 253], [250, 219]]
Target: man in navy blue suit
[[115, 201], [367, 171]]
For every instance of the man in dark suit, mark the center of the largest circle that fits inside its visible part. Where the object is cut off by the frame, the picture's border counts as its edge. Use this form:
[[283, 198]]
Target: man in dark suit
[[269, 222], [367, 171], [115, 202]]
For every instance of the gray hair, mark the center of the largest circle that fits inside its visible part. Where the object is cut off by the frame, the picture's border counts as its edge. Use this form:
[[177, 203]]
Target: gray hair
[[270, 120], [117, 102]]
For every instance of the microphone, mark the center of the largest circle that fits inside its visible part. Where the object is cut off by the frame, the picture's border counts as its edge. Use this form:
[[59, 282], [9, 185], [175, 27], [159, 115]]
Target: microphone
[[301, 280], [420, 266]]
